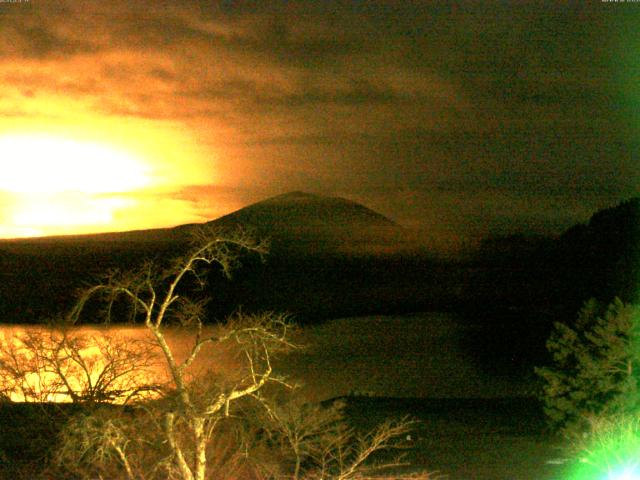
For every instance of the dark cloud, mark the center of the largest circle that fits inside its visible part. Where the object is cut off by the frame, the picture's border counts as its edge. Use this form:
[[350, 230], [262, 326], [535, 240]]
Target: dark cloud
[[483, 112], [285, 45], [353, 93], [31, 33], [357, 92]]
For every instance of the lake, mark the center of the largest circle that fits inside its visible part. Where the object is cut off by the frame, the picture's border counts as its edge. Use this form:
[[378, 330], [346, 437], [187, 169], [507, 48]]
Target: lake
[[420, 355]]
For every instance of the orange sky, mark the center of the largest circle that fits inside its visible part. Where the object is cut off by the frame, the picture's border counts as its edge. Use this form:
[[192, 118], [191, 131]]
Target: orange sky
[[97, 173], [457, 120]]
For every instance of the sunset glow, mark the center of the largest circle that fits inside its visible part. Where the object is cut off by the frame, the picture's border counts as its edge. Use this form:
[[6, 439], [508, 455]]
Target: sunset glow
[[41, 164], [59, 183], [224, 105], [94, 180]]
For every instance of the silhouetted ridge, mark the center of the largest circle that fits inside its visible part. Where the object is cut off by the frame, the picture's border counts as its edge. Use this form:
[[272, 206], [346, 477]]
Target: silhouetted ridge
[[294, 220], [296, 210], [602, 257], [328, 257], [304, 222]]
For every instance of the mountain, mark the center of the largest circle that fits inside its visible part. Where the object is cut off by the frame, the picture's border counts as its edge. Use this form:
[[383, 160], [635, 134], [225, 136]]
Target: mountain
[[295, 221], [304, 222], [296, 210], [324, 261], [330, 257]]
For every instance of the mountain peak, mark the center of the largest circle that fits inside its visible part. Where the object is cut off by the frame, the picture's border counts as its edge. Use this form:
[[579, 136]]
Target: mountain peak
[[312, 219], [295, 195], [298, 209]]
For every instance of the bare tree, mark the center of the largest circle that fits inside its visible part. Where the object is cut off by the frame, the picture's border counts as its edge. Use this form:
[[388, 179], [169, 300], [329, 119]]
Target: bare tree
[[192, 410], [344, 454], [58, 365], [325, 447], [184, 433]]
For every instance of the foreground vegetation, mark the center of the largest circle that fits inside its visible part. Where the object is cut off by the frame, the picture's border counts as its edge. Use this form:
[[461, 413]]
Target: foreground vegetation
[[591, 390], [142, 410]]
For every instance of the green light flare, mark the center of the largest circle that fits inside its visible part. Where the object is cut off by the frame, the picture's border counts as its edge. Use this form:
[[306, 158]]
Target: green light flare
[[605, 470], [626, 474], [613, 453]]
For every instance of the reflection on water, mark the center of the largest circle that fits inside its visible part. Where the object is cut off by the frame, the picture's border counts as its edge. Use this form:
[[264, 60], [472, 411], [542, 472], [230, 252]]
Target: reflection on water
[[422, 355], [419, 355], [38, 364], [116, 364]]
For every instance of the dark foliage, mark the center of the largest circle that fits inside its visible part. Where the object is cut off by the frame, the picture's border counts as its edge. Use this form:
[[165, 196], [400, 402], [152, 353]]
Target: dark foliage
[[595, 367], [518, 284], [27, 431], [41, 280], [602, 258]]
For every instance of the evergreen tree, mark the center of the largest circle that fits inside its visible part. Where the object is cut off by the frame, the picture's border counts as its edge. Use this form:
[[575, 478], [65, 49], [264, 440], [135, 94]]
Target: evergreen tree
[[594, 369]]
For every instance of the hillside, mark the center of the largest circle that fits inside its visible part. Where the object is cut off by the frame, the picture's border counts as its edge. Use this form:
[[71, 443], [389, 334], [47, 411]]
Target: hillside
[[332, 257], [309, 223], [294, 220], [602, 256], [323, 261], [599, 259]]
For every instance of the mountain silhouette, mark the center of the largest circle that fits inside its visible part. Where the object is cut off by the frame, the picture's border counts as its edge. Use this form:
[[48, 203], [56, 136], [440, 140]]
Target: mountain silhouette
[[602, 257], [301, 221], [305, 210], [327, 256], [298, 222], [332, 256]]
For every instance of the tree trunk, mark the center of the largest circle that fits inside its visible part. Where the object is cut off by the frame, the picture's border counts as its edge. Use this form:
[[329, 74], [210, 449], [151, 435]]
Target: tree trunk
[[185, 471], [201, 446]]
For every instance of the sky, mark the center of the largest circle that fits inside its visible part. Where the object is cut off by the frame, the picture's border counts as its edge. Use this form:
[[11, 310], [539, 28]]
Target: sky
[[456, 119]]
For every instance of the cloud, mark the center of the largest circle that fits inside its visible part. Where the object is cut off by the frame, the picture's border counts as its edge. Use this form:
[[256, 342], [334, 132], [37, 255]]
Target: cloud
[[370, 99], [46, 31], [250, 61]]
